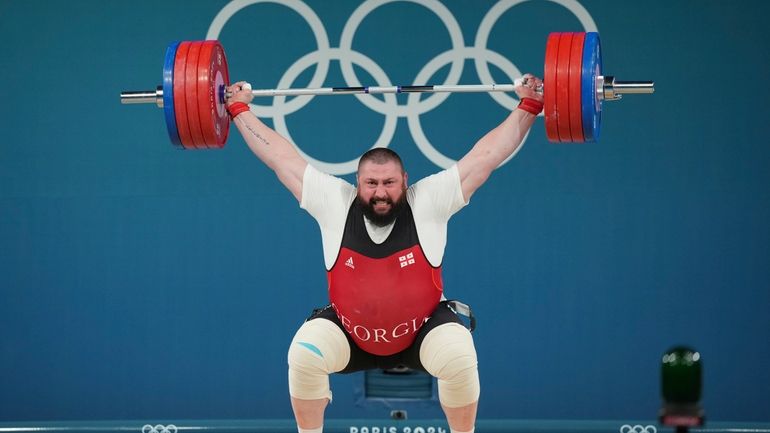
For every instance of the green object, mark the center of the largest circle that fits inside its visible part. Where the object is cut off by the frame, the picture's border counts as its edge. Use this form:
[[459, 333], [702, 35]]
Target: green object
[[681, 376]]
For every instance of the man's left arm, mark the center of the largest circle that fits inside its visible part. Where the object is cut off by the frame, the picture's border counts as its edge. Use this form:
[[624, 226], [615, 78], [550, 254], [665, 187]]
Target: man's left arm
[[498, 144]]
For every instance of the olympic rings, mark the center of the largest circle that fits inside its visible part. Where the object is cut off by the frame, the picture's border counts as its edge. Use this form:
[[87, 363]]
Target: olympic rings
[[160, 428], [627, 428], [390, 108]]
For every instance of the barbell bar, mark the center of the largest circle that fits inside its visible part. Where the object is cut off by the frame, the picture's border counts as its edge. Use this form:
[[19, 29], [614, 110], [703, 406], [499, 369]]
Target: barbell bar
[[195, 76], [156, 96]]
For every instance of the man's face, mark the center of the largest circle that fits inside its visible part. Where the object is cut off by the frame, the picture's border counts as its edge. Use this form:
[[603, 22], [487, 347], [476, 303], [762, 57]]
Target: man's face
[[381, 189]]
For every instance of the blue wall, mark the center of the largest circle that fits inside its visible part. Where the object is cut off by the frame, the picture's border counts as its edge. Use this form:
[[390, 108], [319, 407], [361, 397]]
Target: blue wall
[[141, 281]]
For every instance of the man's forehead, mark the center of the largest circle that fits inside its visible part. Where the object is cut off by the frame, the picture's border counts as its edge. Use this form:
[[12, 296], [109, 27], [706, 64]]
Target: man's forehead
[[372, 169]]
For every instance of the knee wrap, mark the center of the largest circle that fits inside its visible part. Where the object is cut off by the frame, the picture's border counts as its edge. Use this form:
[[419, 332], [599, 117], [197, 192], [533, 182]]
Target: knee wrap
[[318, 349], [447, 353]]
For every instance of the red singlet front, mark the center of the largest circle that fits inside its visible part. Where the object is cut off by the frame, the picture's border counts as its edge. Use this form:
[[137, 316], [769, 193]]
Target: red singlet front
[[383, 293]]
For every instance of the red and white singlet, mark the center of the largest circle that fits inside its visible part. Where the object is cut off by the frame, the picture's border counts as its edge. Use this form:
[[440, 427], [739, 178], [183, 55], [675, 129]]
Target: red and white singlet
[[383, 293]]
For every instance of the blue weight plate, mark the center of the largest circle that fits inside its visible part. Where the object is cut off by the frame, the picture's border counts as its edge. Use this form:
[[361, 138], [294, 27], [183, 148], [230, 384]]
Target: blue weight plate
[[592, 105], [168, 94]]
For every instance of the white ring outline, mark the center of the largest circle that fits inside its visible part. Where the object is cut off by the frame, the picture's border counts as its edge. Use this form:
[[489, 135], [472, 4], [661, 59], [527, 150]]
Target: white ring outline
[[455, 35], [319, 31], [489, 21], [413, 120], [391, 120]]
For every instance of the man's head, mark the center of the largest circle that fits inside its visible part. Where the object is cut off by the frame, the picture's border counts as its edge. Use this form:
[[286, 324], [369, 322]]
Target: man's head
[[381, 185]]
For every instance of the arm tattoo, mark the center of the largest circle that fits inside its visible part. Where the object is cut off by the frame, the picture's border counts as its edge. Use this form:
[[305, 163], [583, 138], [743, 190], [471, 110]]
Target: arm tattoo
[[256, 134]]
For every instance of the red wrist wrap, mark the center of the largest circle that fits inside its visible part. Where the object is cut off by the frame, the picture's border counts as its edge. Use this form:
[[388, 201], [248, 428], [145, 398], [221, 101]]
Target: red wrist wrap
[[531, 105], [237, 108]]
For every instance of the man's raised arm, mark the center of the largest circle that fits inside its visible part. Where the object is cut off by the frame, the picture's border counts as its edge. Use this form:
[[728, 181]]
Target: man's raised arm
[[274, 150], [498, 144]]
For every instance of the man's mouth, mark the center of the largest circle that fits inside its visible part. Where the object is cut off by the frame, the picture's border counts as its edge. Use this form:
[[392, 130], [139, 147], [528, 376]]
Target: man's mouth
[[381, 204]]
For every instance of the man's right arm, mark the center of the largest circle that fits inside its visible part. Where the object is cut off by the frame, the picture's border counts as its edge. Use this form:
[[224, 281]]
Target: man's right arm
[[273, 149]]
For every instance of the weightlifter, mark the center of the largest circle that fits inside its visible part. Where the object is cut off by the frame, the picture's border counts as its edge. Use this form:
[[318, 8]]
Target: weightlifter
[[383, 243]]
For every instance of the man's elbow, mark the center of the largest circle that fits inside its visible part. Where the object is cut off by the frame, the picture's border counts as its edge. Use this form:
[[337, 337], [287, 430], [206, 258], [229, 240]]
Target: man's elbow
[[474, 180]]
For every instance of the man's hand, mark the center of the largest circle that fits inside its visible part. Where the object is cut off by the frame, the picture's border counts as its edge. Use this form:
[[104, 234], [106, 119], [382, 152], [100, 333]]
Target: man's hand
[[529, 87], [239, 92]]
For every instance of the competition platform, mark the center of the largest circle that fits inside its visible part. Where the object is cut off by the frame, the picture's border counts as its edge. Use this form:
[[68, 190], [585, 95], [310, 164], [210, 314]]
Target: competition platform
[[373, 426]]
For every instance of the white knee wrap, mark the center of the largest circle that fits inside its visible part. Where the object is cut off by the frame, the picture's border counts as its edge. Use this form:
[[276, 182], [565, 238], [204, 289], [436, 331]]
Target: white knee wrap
[[447, 353], [318, 349]]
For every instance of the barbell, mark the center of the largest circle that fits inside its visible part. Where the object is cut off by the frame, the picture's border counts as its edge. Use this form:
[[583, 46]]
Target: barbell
[[195, 76]]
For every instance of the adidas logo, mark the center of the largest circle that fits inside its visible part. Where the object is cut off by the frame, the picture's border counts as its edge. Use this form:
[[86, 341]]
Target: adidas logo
[[406, 260], [349, 263]]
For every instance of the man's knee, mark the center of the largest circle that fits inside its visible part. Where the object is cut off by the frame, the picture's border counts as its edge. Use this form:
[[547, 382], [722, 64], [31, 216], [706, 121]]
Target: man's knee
[[448, 353], [318, 349]]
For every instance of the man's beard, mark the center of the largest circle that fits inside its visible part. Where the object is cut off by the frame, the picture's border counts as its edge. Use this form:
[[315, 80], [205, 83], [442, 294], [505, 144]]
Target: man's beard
[[381, 220]]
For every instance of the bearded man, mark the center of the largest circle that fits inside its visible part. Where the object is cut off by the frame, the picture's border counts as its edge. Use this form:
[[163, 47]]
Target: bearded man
[[383, 244]]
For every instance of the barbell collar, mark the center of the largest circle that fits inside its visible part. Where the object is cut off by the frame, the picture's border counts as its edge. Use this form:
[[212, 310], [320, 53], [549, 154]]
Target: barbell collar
[[610, 89], [143, 97]]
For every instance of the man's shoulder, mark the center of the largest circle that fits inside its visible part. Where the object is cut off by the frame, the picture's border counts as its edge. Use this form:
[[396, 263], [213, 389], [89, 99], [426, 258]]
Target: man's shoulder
[[447, 177], [322, 190], [315, 177]]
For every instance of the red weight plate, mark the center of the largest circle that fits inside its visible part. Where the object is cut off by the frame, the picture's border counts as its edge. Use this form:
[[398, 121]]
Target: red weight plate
[[191, 94], [180, 107], [575, 97], [562, 87], [202, 88], [549, 86], [212, 77], [224, 116]]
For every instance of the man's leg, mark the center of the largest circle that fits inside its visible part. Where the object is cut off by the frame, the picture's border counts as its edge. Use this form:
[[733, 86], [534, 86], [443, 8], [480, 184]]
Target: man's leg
[[318, 349], [461, 419], [309, 413], [448, 353]]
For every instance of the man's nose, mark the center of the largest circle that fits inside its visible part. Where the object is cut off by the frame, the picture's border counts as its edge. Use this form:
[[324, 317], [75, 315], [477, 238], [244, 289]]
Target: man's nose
[[380, 192]]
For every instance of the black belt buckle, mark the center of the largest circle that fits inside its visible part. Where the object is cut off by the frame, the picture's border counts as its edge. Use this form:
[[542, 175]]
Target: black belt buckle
[[463, 309]]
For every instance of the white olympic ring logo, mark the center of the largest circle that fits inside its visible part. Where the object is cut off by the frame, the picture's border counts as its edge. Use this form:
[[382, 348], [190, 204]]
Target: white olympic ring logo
[[160, 428], [627, 428], [389, 107]]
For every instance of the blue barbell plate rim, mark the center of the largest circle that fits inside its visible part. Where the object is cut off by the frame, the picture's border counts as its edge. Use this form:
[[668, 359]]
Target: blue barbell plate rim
[[592, 67], [168, 94]]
